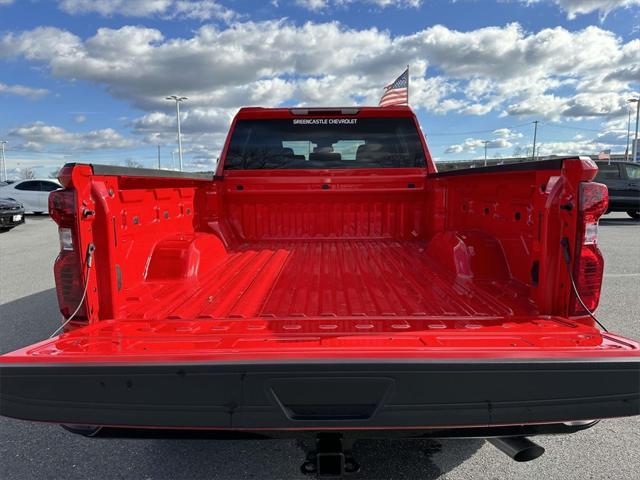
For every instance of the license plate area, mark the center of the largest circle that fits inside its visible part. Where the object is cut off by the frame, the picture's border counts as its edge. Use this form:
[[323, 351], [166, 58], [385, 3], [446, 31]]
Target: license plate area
[[323, 398]]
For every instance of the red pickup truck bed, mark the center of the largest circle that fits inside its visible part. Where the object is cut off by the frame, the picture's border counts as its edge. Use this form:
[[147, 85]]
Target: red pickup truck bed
[[361, 278], [313, 299]]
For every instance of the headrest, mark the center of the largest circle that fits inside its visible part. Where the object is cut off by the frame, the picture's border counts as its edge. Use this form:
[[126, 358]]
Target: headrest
[[328, 149], [325, 157], [368, 151], [280, 152]]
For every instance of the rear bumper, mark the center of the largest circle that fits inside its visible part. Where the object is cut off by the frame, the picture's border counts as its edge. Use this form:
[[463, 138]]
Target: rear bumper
[[323, 395]]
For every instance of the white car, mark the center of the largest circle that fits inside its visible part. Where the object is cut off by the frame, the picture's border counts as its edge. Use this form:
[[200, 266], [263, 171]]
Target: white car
[[32, 193]]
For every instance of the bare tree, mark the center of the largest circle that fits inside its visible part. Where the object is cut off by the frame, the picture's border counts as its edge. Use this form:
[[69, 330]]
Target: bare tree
[[54, 173], [130, 162], [520, 151], [27, 173]]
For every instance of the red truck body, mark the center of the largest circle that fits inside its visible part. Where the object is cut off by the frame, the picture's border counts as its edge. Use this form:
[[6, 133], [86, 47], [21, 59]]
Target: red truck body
[[296, 299]]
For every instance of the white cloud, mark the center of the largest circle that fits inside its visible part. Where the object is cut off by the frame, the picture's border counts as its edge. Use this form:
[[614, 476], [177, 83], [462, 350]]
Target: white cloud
[[571, 147], [200, 10], [479, 88], [580, 106], [581, 7], [133, 8], [596, 105], [37, 135], [313, 5], [506, 133], [194, 120], [502, 138], [553, 73], [431, 93], [549, 106], [23, 91], [468, 145], [318, 5], [203, 132], [5, 2], [203, 10], [80, 118], [473, 145], [41, 43], [509, 52], [613, 136]]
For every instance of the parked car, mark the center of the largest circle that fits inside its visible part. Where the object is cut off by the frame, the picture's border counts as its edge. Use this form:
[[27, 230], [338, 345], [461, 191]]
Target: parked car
[[623, 181], [11, 213], [328, 284], [32, 193]]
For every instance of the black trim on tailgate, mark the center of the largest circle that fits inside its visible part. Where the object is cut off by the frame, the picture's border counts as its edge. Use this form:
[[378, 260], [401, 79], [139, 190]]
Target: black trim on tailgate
[[320, 395], [553, 164], [99, 169]]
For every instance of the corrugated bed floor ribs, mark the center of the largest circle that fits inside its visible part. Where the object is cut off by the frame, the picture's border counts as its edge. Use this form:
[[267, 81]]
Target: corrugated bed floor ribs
[[325, 278]]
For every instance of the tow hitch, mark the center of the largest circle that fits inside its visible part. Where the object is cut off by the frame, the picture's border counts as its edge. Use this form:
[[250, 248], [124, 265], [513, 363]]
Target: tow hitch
[[331, 456]]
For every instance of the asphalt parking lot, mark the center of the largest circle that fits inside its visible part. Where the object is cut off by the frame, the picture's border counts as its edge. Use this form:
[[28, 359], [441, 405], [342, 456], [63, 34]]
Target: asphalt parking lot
[[28, 313]]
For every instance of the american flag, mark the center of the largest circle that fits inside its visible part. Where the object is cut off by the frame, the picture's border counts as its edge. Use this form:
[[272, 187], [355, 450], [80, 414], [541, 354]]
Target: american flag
[[396, 93]]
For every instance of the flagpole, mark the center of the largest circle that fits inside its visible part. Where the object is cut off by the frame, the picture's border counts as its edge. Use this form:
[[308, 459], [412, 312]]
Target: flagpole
[[407, 85]]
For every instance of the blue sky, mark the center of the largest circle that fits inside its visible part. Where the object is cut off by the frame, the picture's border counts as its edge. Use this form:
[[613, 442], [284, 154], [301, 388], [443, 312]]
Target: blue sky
[[85, 80]]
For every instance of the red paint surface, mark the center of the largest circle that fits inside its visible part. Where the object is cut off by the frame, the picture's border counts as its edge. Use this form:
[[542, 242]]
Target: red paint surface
[[294, 339], [326, 278]]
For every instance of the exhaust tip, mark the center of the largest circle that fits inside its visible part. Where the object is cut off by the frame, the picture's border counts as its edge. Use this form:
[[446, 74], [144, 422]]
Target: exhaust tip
[[529, 454], [84, 430], [521, 449]]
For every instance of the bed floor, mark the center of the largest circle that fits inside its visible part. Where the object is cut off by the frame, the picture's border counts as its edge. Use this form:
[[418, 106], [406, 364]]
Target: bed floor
[[326, 278]]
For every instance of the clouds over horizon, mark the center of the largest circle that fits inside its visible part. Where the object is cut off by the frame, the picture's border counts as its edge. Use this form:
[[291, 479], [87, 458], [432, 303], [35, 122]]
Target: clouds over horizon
[[37, 135], [202, 10], [502, 138], [23, 91], [553, 73], [583, 7], [205, 10], [322, 5]]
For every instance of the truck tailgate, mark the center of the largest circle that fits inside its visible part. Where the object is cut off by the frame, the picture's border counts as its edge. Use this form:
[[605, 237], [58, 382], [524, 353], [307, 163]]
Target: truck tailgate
[[323, 373]]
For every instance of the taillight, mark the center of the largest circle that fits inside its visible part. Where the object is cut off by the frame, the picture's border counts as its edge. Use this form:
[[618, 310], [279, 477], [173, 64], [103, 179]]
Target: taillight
[[67, 268], [589, 264], [62, 207], [69, 285]]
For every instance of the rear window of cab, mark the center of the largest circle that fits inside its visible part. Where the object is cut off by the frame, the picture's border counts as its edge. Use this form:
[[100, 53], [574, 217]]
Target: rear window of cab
[[325, 143]]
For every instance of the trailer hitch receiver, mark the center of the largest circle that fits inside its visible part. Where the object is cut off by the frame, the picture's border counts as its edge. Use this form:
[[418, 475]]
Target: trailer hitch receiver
[[331, 457]]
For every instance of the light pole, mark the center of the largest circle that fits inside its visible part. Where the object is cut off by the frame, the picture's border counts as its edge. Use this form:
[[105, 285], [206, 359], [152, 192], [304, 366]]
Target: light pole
[[535, 135], [485, 151], [4, 162], [626, 151], [635, 141], [178, 99]]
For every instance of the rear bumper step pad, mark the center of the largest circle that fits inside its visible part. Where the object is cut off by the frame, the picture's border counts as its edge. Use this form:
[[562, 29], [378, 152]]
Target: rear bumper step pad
[[315, 395]]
